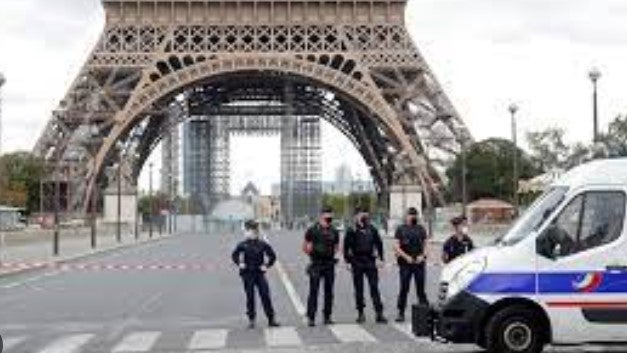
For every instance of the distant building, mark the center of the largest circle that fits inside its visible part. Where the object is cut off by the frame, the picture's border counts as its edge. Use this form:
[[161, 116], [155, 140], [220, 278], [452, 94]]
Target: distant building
[[335, 187], [250, 193], [343, 179], [233, 210], [357, 186], [268, 209], [10, 218], [490, 211]]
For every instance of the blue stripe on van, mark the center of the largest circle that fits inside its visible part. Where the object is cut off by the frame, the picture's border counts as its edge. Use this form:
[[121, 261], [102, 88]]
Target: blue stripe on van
[[493, 283], [550, 283]]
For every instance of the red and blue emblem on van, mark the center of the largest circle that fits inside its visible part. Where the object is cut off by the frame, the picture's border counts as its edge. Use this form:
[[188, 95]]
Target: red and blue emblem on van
[[588, 283]]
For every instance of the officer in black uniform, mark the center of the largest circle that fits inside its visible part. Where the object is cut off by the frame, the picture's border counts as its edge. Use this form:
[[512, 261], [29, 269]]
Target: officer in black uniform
[[362, 247], [254, 257], [409, 247], [321, 244], [459, 243]]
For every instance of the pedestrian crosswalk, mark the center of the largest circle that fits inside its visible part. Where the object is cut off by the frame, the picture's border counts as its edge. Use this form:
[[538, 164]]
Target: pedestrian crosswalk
[[282, 337], [69, 344], [352, 333], [196, 341], [210, 340], [137, 342]]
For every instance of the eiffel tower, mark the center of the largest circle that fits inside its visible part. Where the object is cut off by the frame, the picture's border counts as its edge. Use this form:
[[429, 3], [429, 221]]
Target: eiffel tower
[[367, 77]]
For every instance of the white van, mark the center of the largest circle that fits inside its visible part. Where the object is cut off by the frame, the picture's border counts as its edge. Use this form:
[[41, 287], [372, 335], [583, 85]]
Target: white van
[[558, 276]]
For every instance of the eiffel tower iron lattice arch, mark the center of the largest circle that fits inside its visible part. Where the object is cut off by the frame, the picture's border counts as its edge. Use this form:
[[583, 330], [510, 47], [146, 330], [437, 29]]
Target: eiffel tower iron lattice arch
[[358, 53]]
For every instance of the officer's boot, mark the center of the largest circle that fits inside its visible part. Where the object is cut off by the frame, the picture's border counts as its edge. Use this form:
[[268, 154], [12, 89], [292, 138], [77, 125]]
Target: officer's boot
[[361, 318], [273, 323], [401, 317], [251, 324], [381, 319]]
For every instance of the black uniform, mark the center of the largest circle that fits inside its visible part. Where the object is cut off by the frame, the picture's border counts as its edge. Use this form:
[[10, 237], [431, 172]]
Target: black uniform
[[253, 253], [362, 246], [412, 240], [322, 267], [454, 247]]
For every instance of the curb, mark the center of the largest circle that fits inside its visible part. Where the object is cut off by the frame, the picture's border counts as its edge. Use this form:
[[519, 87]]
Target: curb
[[77, 257]]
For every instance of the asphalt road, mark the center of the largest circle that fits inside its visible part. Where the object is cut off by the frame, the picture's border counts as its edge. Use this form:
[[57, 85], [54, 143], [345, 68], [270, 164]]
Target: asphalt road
[[181, 294]]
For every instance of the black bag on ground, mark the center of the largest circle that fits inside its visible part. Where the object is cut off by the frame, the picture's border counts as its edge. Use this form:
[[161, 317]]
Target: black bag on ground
[[420, 320]]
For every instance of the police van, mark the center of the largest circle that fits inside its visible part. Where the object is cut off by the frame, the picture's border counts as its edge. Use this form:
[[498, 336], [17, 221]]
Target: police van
[[559, 275]]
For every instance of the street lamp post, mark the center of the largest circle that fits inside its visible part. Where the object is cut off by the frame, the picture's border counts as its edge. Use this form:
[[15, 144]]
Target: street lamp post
[[594, 76], [513, 108], [462, 142], [118, 233], [93, 197], [151, 207], [57, 204]]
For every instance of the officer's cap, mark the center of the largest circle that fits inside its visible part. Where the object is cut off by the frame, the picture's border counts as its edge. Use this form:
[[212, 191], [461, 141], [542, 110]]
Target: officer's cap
[[326, 209], [251, 224], [412, 211], [455, 221]]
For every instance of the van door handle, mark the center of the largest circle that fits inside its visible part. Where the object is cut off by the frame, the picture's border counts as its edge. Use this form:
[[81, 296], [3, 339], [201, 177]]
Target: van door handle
[[616, 268]]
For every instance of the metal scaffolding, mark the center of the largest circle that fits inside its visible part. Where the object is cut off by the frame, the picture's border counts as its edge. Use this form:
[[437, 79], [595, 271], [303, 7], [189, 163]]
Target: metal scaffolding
[[216, 113]]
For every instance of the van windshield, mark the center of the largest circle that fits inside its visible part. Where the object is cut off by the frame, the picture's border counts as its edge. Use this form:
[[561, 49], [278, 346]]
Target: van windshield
[[533, 218]]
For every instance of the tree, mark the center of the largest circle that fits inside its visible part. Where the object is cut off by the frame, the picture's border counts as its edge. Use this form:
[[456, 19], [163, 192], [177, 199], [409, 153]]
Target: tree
[[20, 176], [548, 149], [489, 170], [346, 204], [157, 202], [615, 139], [579, 153]]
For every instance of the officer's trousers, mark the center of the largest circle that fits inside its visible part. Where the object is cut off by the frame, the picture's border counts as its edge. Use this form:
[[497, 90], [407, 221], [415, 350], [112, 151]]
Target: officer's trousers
[[406, 273], [257, 280], [317, 273], [371, 272]]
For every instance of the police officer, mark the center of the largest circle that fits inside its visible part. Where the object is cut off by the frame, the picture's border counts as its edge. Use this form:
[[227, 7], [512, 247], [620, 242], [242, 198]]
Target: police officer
[[362, 247], [410, 252], [459, 243], [321, 244], [254, 257]]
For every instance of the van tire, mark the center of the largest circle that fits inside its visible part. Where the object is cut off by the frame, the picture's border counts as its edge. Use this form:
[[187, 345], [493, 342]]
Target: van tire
[[514, 330]]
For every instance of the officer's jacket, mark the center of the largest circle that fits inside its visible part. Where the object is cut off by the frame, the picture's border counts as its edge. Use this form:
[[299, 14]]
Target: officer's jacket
[[412, 240], [324, 241], [454, 248], [362, 244], [254, 253]]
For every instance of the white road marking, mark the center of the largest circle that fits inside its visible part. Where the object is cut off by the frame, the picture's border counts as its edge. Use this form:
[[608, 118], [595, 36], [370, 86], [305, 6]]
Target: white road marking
[[351, 333], [291, 290], [282, 337], [12, 341], [30, 279], [69, 344], [208, 339], [138, 342]]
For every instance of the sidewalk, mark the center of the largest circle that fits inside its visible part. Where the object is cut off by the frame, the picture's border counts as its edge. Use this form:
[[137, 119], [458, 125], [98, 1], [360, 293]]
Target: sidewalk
[[27, 250]]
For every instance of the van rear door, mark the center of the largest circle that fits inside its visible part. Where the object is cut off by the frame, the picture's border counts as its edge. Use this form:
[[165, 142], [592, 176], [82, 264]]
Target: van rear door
[[581, 280]]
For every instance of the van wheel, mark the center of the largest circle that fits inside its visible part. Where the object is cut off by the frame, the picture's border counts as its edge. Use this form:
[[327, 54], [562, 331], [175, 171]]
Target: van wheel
[[513, 330]]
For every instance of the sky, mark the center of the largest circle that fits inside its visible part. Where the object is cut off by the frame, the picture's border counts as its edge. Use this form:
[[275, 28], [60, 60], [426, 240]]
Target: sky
[[485, 53]]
